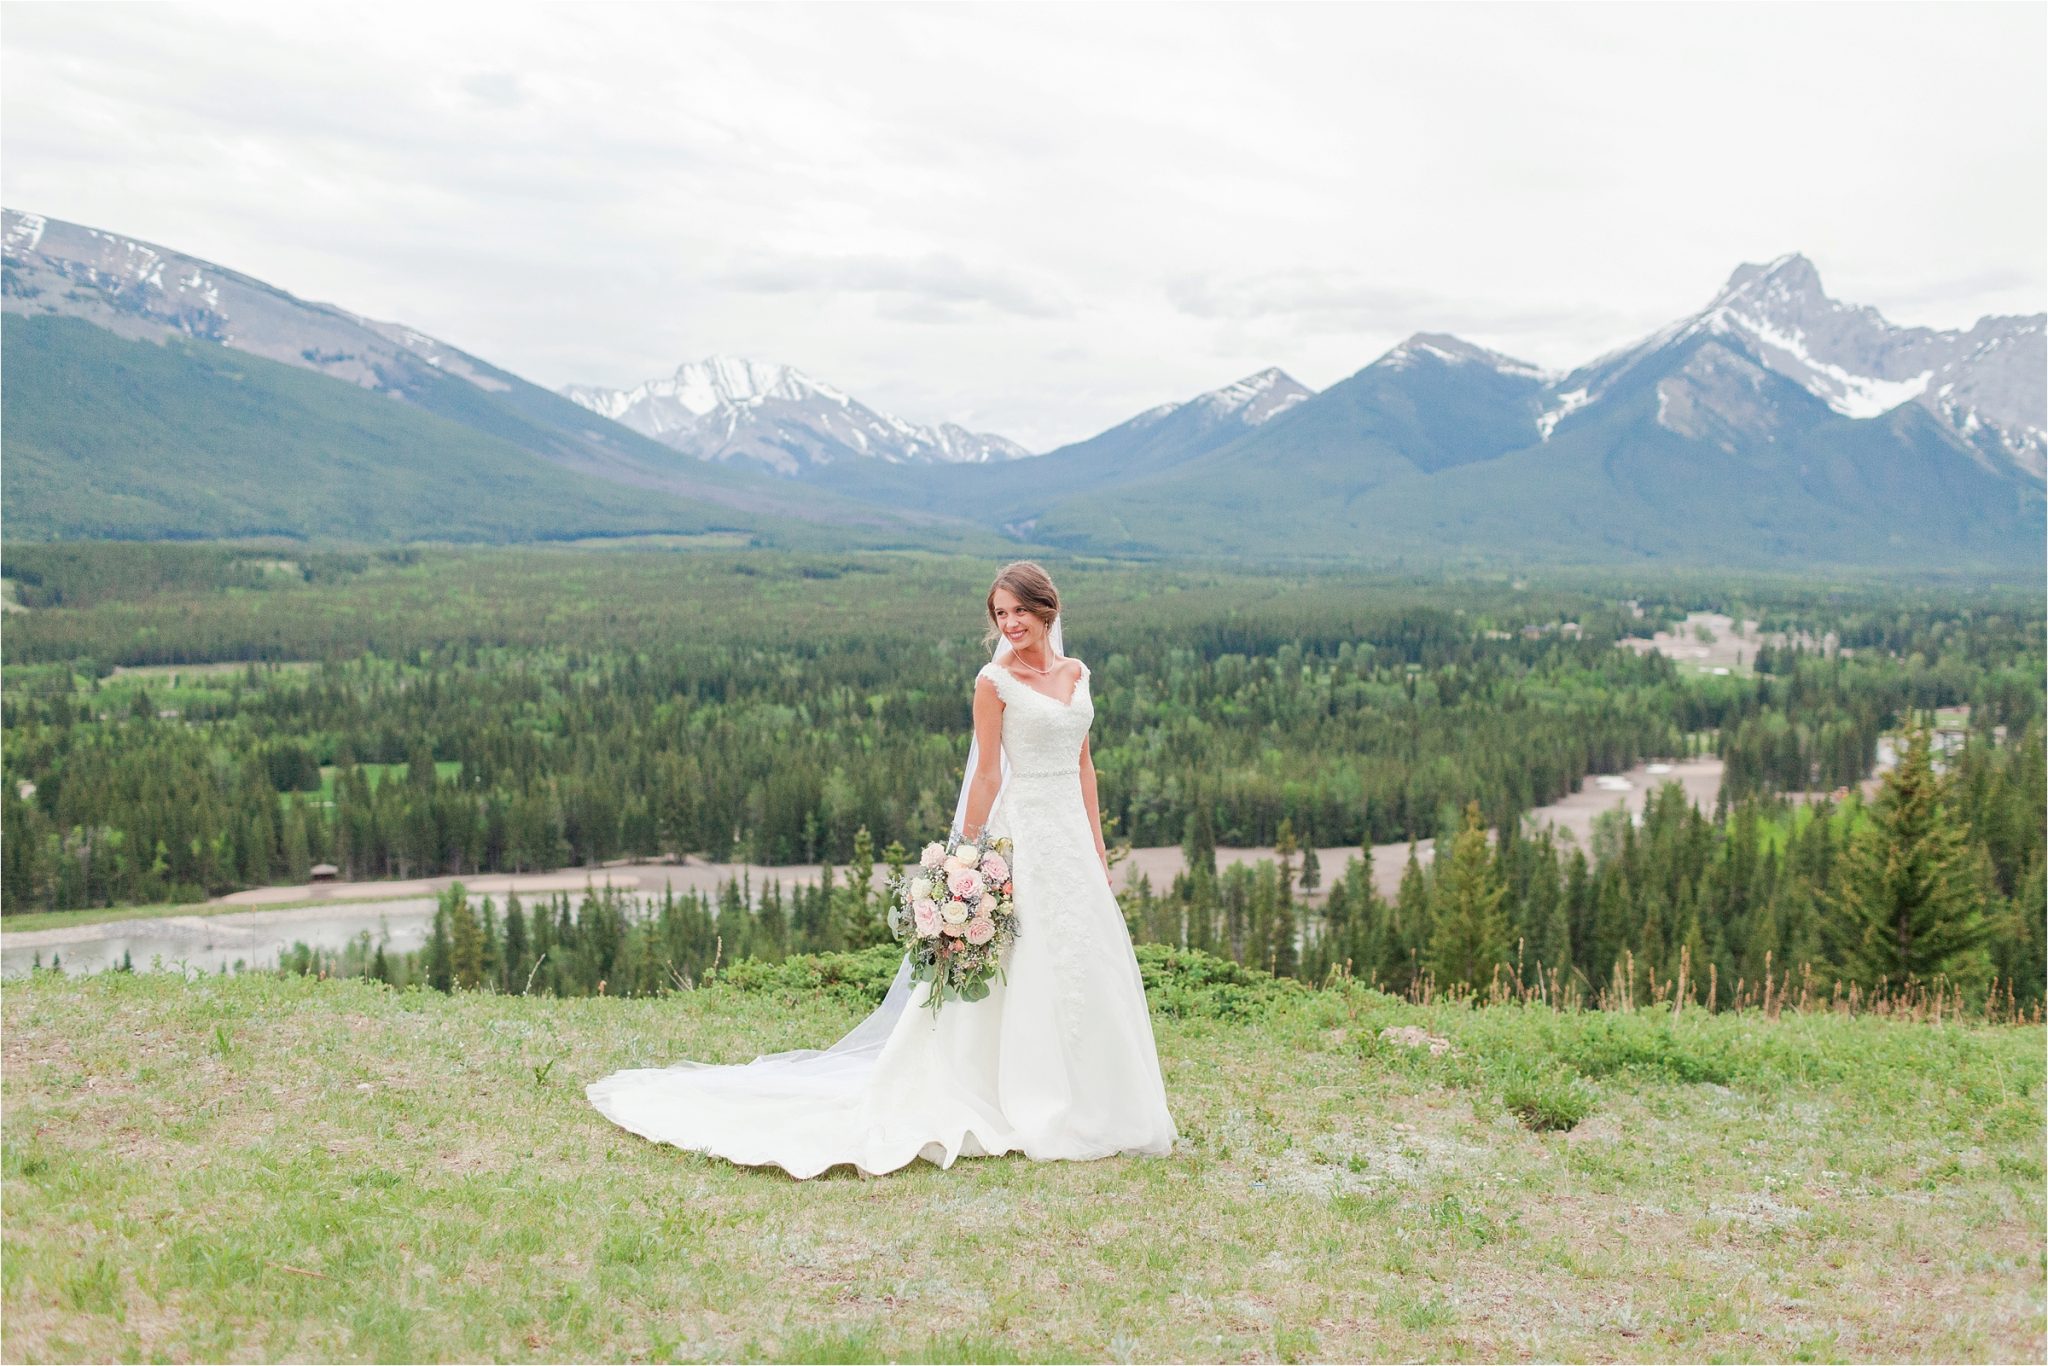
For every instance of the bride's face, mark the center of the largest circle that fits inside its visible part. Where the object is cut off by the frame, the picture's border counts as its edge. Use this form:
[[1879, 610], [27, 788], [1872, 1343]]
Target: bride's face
[[1022, 629]]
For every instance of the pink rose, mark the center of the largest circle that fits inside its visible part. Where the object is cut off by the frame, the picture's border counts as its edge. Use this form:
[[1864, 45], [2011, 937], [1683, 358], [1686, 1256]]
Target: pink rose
[[926, 916], [965, 884], [934, 855], [980, 930], [994, 869]]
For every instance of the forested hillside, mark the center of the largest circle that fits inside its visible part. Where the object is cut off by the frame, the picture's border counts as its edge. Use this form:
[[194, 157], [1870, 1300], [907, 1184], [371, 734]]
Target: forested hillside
[[411, 713]]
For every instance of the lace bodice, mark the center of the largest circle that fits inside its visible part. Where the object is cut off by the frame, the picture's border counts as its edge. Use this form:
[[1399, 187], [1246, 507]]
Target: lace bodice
[[1041, 735]]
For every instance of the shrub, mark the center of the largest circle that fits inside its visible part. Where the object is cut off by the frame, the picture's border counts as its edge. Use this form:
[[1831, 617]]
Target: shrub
[[861, 976], [1191, 984], [1543, 1101]]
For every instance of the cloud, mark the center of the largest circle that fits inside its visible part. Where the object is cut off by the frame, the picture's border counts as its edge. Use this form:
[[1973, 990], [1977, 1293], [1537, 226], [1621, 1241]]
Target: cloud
[[1040, 219], [937, 282], [498, 89]]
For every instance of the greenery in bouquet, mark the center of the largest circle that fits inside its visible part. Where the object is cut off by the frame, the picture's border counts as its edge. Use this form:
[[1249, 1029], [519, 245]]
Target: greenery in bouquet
[[956, 911]]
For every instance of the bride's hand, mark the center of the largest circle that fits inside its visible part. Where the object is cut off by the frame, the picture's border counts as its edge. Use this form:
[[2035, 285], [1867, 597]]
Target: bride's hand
[[1102, 853]]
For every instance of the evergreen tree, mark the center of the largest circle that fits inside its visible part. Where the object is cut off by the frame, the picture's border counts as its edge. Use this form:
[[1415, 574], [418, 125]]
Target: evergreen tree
[[465, 940], [1408, 939], [1198, 839], [440, 951], [1469, 930], [1285, 846], [518, 958], [2021, 962], [771, 923], [298, 856], [861, 921], [1908, 903]]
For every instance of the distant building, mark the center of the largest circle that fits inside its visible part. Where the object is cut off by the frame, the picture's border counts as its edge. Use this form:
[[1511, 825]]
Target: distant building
[[325, 872]]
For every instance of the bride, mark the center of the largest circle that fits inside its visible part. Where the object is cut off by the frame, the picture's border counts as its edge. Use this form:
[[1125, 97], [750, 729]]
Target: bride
[[1058, 1061]]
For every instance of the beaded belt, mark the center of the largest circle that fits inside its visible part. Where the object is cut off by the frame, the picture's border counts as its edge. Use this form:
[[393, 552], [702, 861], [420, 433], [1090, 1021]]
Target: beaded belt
[[1073, 772]]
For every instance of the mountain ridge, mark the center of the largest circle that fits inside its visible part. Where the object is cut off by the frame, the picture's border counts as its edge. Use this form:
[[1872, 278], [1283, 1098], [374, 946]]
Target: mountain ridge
[[727, 408], [1774, 421]]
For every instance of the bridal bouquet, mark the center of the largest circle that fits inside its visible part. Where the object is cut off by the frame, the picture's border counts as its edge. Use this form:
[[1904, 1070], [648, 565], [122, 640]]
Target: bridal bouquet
[[957, 911]]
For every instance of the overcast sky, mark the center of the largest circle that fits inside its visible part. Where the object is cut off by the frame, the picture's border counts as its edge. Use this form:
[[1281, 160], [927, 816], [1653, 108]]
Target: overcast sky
[[1041, 219]]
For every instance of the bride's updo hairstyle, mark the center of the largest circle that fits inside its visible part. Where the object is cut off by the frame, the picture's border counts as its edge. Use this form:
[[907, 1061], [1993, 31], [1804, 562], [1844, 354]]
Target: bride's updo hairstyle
[[1034, 591]]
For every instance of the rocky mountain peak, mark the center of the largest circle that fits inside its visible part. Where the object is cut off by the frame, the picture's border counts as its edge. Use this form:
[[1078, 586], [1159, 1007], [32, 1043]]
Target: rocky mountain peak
[[1790, 276], [1257, 397], [1447, 349]]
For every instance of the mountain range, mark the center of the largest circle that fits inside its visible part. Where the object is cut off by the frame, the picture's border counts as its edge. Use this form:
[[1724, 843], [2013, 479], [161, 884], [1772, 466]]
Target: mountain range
[[155, 394], [726, 408], [1773, 426]]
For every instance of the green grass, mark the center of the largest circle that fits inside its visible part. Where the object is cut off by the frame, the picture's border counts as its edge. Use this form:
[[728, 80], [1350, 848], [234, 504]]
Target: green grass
[[260, 1167]]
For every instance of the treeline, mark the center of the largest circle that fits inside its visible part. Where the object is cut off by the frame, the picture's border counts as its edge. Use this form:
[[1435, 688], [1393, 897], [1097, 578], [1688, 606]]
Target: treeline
[[1932, 887], [613, 942], [1941, 876]]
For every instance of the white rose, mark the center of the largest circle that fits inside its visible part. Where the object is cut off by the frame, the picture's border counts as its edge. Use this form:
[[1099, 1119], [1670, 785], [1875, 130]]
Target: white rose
[[969, 854], [920, 888], [955, 912]]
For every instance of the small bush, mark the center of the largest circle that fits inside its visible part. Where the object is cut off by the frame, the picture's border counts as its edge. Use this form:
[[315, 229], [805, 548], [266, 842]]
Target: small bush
[[1600, 1044], [1546, 1101], [1191, 984], [861, 976]]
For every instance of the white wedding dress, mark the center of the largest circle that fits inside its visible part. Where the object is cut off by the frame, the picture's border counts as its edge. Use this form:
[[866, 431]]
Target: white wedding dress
[[1058, 1061]]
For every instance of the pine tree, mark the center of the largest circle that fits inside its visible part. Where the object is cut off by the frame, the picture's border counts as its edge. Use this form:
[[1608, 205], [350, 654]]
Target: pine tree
[[1285, 846], [518, 960], [1408, 937], [440, 953], [1198, 838], [1907, 904], [465, 940], [860, 923], [771, 923], [298, 857], [1469, 931], [2021, 962]]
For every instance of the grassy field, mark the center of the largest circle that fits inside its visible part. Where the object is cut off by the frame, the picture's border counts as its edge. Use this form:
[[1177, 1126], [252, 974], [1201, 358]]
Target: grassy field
[[268, 1168]]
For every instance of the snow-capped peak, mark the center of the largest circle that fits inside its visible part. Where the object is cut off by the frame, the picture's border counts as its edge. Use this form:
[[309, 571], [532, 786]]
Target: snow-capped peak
[[724, 407], [1445, 348], [21, 231], [1984, 383], [1256, 398], [1788, 277]]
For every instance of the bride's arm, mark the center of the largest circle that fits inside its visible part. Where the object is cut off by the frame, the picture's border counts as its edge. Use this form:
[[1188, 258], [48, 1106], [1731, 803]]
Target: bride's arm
[[988, 768], [1094, 811]]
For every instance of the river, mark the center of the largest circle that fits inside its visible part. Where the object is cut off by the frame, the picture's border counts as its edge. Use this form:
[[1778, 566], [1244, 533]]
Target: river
[[251, 929]]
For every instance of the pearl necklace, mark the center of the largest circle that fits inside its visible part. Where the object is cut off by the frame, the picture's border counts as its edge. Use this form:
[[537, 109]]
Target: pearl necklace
[[1019, 659]]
